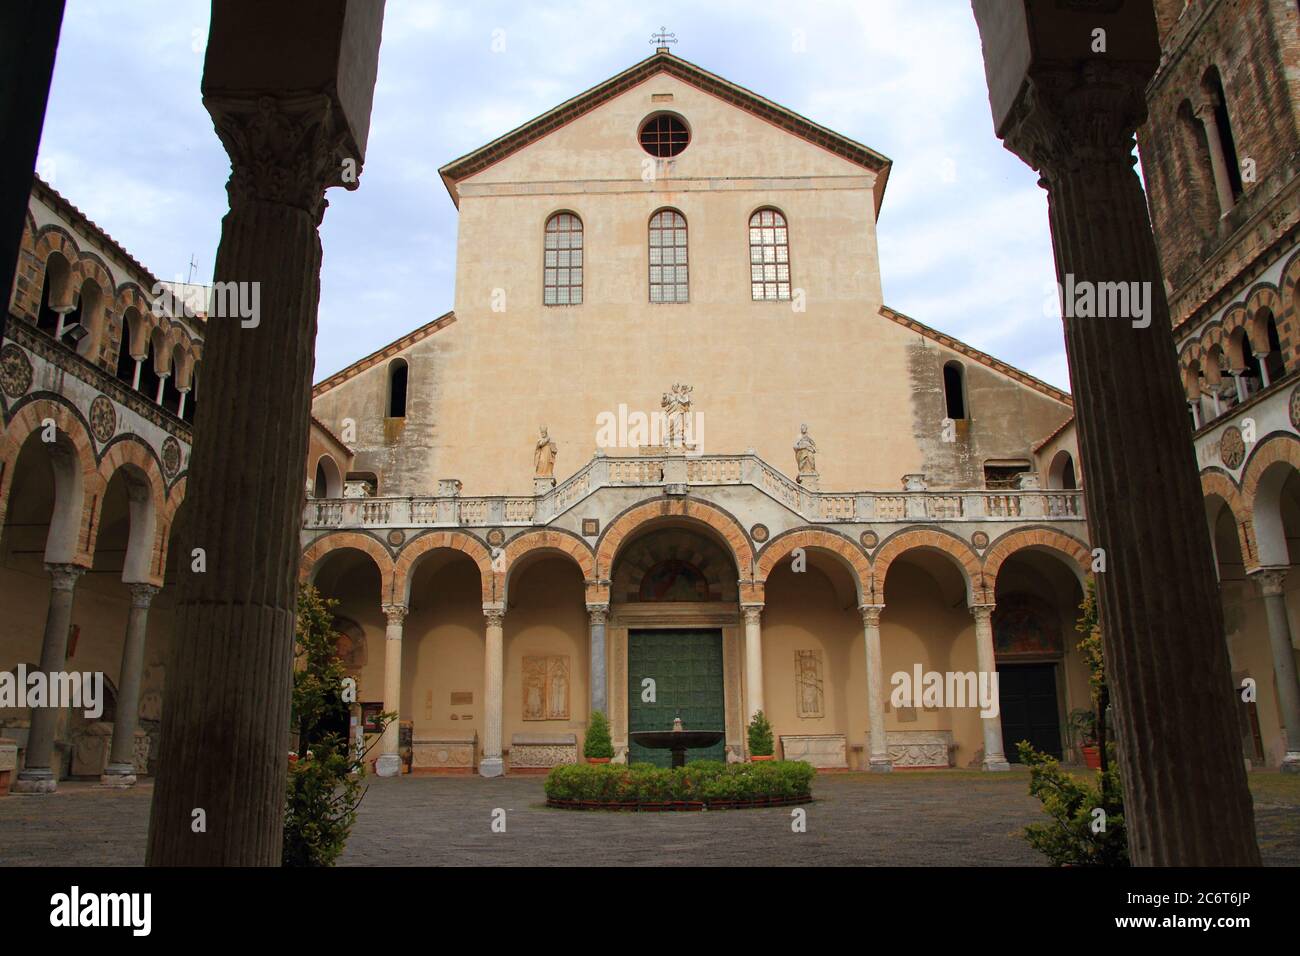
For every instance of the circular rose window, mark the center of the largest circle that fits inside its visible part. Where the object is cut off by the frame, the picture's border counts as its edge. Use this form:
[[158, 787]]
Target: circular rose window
[[664, 135]]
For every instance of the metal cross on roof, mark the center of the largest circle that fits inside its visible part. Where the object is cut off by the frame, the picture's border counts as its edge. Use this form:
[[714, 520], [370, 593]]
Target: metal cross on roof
[[663, 38]]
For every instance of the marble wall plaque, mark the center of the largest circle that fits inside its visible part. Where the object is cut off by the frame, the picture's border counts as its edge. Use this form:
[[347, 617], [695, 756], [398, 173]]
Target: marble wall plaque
[[546, 687], [828, 751], [809, 691]]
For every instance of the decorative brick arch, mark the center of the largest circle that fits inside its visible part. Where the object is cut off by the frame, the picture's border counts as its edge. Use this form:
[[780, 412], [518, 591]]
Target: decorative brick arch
[[1264, 530], [133, 453], [550, 541], [701, 512], [27, 420], [1234, 319], [927, 539], [130, 296], [54, 239], [1289, 289], [1072, 550], [821, 540], [1272, 449], [323, 547], [1218, 484], [451, 540], [1263, 297]]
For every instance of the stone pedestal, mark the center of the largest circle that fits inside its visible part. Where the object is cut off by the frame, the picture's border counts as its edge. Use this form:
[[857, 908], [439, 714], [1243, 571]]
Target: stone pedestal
[[542, 751], [823, 751], [448, 753]]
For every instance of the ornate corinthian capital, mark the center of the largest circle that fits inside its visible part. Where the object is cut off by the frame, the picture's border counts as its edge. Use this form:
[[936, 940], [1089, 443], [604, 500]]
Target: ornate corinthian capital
[[283, 149], [1071, 120], [395, 613]]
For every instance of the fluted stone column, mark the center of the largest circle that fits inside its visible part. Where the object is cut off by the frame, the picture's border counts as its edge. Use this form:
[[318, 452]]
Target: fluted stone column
[[598, 615], [389, 763], [1271, 581], [225, 726], [493, 667], [120, 771], [753, 658], [38, 774], [1071, 116], [1218, 162], [878, 742], [986, 663]]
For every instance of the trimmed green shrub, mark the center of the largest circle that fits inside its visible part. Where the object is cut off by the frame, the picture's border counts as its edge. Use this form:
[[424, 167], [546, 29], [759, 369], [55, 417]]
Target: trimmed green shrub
[[705, 781], [597, 743], [1076, 835], [760, 736]]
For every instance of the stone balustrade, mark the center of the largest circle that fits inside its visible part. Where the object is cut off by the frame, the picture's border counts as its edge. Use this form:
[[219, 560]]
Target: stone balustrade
[[675, 474]]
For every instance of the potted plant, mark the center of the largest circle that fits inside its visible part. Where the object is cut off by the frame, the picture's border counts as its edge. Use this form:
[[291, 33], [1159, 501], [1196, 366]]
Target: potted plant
[[1084, 724], [760, 738], [597, 746]]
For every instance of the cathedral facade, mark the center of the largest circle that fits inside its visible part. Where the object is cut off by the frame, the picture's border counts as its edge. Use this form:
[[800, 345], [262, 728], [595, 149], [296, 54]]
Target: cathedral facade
[[670, 454]]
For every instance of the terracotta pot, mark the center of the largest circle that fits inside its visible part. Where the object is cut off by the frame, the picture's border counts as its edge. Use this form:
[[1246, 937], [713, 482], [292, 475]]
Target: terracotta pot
[[598, 760], [1091, 757], [756, 758]]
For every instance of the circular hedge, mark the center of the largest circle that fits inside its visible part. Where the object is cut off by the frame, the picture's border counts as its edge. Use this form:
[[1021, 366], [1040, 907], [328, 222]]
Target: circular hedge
[[705, 784]]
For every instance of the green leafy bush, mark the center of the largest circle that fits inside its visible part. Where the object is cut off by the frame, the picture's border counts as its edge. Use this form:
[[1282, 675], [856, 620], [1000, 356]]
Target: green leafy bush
[[760, 736], [705, 781], [1075, 837], [324, 787], [597, 743]]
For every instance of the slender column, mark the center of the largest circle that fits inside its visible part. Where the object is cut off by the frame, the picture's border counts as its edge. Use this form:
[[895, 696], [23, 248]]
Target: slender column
[[389, 763], [162, 383], [1271, 581], [1240, 384], [38, 774], [491, 764], [226, 711], [598, 615], [135, 376], [1264, 380], [878, 756], [1195, 406], [120, 771], [180, 406], [1185, 792], [753, 658], [986, 663], [1218, 162]]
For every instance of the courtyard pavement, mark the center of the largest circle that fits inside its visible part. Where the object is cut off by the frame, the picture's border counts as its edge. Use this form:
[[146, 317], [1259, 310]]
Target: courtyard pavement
[[954, 818]]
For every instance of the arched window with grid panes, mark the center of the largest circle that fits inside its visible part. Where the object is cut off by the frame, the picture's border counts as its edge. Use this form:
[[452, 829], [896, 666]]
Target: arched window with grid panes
[[562, 260], [669, 281], [769, 256]]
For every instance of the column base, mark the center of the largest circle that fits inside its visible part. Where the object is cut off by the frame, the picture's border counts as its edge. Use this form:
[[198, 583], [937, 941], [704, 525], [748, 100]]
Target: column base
[[35, 781], [118, 776], [388, 765], [491, 767], [996, 764], [1291, 762], [880, 765]]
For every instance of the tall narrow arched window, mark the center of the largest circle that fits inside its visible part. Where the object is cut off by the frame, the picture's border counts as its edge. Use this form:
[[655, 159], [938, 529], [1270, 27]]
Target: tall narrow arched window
[[1223, 123], [669, 281], [954, 390], [769, 256], [397, 389], [562, 260]]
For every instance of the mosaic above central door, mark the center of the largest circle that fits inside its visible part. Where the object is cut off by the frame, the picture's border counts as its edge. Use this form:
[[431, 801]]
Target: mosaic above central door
[[686, 667]]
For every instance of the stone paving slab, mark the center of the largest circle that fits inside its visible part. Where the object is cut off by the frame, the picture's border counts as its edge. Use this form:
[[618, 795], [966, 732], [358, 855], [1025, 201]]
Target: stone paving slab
[[944, 818]]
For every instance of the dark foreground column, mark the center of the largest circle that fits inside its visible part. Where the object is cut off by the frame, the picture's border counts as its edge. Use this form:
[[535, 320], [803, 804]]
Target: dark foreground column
[[219, 795], [1071, 114]]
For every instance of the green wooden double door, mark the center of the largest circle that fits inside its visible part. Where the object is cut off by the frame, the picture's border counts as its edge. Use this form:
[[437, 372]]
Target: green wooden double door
[[686, 667]]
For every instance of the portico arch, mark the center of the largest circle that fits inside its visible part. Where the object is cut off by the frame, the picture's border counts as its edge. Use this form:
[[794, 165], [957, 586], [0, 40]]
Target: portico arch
[[521, 550], [942, 542], [841, 548], [415, 550], [636, 519], [320, 549], [1073, 551]]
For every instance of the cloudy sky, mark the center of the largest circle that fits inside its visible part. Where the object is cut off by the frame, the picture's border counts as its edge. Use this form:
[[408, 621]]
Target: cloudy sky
[[964, 241]]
